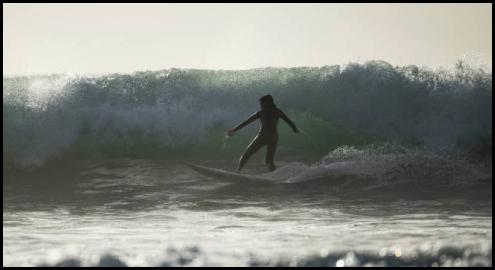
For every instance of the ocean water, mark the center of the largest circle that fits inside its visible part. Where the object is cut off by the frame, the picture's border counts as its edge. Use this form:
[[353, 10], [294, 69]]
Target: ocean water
[[393, 168]]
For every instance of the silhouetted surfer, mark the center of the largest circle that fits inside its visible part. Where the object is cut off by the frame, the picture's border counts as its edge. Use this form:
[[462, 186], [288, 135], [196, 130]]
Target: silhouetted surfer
[[269, 115]]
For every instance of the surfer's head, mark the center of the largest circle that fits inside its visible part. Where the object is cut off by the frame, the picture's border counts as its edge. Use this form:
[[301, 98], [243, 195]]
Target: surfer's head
[[266, 101]]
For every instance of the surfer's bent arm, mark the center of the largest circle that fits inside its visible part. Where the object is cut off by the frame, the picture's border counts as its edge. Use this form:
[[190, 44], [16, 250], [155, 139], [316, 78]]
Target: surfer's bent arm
[[288, 121], [247, 122]]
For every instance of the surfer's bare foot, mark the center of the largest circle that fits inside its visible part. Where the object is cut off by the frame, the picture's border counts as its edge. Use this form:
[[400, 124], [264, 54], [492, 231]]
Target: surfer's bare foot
[[272, 167]]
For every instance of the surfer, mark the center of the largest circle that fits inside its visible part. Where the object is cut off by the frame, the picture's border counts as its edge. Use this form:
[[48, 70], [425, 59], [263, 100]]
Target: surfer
[[267, 135]]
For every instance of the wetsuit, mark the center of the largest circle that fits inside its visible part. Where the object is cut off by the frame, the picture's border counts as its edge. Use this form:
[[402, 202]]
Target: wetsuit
[[267, 134]]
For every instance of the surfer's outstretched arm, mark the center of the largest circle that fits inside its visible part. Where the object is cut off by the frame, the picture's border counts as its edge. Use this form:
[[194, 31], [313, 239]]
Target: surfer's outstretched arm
[[288, 121], [253, 117]]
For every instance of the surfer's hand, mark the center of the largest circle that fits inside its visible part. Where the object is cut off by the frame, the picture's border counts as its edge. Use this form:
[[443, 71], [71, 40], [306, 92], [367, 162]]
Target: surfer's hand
[[230, 132]]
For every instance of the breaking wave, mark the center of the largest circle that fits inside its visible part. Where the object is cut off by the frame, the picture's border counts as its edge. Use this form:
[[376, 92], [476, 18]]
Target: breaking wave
[[172, 113]]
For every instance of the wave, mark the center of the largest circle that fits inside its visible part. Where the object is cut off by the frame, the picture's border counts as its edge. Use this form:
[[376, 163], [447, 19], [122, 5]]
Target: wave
[[177, 112]]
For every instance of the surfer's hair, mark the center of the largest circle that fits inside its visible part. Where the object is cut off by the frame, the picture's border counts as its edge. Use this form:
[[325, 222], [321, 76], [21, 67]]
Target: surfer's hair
[[268, 100]]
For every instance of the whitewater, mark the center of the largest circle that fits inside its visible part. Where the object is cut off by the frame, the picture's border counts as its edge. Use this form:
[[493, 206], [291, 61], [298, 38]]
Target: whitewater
[[392, 168]]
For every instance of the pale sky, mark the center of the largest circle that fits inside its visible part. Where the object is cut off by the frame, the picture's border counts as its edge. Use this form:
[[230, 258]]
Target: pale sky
[[104, 38]]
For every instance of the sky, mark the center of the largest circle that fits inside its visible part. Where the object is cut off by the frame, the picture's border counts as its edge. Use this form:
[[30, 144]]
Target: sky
[[108, 38]]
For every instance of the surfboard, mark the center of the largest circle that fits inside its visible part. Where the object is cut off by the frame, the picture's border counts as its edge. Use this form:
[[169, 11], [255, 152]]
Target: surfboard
[[226, 176]]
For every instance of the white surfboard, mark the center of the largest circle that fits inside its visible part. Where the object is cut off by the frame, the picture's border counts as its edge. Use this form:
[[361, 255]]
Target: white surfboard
[[226, 175]]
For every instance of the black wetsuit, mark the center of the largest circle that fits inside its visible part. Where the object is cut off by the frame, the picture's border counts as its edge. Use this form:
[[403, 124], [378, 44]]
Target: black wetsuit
[[266, 135]]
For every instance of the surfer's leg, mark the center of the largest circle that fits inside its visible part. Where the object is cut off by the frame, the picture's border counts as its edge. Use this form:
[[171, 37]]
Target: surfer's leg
[[270, 154], [250, 150]]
